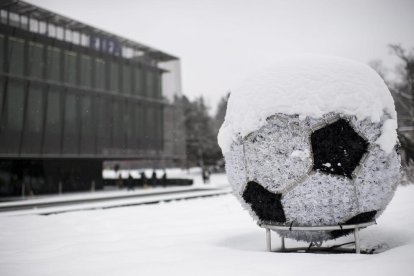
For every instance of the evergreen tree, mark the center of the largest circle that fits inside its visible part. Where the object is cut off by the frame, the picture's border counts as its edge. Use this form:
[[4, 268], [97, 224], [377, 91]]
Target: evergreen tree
[[201, 131]]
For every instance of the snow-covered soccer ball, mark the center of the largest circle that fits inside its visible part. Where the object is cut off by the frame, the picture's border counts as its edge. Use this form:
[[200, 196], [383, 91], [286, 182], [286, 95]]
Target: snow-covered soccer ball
[[312, 142]]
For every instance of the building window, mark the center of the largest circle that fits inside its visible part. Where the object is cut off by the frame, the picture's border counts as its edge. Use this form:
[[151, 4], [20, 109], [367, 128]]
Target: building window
[[86, 71], [104, 124], [85, 40], [158, 85], [53, 63], [2, 54], [3, 16], [53, 123], [33, 25], [87, 131], [70, 135], [126, 79], [1, 99], [68, 35], [114, 75], [100, 74], [14, 118], [51, 30], [42, 27], [34, 121], [60, 33], [35, 60], [14, 19], [131, 128], [15, 106], [139, 132], [138, 81], [70, 67], [118, 126], [149, 80], [34, 110], [76, 37], [24, 22], [16, 54]]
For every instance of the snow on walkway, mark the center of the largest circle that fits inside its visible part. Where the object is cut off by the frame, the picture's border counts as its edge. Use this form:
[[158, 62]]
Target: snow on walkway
[[210, 236]]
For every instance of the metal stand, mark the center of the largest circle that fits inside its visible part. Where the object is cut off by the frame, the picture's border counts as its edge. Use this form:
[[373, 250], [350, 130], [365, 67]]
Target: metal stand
[[354, 227], [356, 237]]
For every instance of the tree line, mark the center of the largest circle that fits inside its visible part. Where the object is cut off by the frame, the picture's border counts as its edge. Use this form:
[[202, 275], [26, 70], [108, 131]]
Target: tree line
[[201, 131]]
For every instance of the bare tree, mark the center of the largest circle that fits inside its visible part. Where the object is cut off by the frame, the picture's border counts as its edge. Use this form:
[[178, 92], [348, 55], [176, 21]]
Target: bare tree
[[402, 90], [403, 94]]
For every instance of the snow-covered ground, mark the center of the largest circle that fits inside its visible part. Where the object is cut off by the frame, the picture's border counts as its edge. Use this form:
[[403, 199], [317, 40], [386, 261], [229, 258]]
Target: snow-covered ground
[[210, 236], [217, 181]]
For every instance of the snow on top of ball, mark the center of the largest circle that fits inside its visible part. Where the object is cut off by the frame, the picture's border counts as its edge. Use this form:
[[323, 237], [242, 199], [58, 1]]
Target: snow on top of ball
[[309, 86]]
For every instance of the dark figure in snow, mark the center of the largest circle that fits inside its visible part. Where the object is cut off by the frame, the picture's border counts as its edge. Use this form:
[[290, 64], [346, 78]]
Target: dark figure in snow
[[154, 179], [164, 179], [130, 183], [204, 174], [144, 180], [120, 182]]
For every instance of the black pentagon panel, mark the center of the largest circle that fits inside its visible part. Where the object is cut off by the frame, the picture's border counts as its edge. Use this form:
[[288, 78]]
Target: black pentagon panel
[[266, 205], [337, 148], [360, 218]]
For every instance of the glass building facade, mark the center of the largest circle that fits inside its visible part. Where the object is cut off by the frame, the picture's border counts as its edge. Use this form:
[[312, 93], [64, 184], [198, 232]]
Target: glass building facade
[[70, 91]]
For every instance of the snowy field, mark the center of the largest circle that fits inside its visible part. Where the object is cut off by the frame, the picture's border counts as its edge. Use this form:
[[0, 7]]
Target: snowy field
[[210, 236]]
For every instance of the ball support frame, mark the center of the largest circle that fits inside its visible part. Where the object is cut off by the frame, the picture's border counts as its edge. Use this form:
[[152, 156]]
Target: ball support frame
[[356, 227]]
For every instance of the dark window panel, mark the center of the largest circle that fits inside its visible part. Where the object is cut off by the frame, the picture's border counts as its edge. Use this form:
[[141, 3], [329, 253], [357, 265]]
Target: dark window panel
[[86, 71], [2, 60], [104, 125], [16, 55], [144, 126], [117, 128], [155, 124], [12, 122], [88, 130], [114, 76], [138, 82], [71, 128], [36, 60], [158, 85], [161, 132], [100, 74], [70, 67], [34, 121], [53, 63], [125, 123], [126, 79], [159, 126], [149, 75], [132, 137], [138, 125], [53, 126], [1, 101], [148, 126]]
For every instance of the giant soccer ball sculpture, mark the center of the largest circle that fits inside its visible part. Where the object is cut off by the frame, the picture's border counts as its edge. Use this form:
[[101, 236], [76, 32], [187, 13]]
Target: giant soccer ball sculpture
[[312, 142]]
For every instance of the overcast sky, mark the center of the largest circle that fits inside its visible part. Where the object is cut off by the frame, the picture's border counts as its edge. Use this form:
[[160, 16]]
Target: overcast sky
[[221, 42]]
